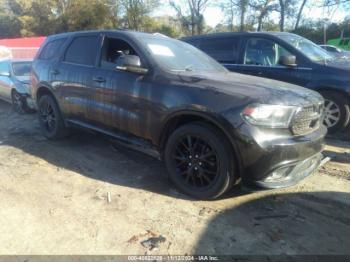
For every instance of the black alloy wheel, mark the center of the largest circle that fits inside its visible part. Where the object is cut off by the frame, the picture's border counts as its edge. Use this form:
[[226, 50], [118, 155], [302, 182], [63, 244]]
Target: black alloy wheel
[[196, 161], [48, 116], [50, 119], [200, 161]]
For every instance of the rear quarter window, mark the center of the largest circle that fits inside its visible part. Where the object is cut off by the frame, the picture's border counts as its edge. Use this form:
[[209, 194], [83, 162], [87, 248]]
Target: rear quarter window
[[83, 50], [223, 50], [51, 49]]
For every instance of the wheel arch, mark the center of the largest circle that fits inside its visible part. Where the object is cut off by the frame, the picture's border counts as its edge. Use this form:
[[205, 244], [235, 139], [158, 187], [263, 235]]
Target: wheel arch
[[323, 89], [44, 90], [185, 117]]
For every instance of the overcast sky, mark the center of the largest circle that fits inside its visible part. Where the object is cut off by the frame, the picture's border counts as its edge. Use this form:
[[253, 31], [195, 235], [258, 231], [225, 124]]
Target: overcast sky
[[214, 15]]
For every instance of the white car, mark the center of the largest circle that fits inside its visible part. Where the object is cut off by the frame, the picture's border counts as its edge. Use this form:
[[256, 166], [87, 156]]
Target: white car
[[14, 84]]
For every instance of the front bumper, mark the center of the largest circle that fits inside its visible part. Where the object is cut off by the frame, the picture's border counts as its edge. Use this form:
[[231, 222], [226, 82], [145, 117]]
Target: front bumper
[[30, 102], [289, 175], [273, 159]]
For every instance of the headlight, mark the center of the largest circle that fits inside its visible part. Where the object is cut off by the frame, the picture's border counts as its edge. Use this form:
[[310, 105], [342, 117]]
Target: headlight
[[269, 115]]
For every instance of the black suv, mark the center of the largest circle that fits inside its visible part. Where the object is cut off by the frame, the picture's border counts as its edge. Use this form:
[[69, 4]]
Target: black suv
[[285, 57], [166, 97]]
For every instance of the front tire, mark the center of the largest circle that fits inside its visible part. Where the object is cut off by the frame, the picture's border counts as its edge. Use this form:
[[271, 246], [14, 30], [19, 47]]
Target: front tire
[[337, 113], [50, 118], [200, 161]]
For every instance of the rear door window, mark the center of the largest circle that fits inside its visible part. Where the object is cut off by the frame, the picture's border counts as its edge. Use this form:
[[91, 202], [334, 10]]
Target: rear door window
[[83, 50], [51, 50], [223, 49]]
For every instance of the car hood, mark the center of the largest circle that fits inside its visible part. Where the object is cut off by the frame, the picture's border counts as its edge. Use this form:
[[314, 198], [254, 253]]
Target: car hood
[[257, 89], [342, 63]]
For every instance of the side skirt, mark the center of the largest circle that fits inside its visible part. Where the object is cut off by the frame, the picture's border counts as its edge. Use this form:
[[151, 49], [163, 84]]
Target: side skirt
[[127, 141]]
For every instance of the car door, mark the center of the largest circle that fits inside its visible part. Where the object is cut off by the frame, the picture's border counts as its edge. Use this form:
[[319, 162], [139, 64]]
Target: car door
[[6, 83], [72, 75], [115, 93], [261, 57]]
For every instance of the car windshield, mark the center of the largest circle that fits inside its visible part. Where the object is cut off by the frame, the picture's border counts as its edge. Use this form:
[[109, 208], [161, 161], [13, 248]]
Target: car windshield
[[308, 48], [175, 55], [21, 68]]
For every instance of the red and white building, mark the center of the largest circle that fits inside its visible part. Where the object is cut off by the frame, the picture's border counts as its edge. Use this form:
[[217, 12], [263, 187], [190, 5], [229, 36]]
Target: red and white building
[[20, 48]]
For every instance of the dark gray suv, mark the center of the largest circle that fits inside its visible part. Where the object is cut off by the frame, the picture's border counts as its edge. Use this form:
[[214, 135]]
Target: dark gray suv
[[165, 97]]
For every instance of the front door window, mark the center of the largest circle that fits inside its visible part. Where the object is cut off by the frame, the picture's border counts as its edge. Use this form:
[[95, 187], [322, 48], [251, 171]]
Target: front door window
[[263, 52]]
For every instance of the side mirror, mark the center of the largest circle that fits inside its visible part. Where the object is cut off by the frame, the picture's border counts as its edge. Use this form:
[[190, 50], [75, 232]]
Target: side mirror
[[131, 63], [289, 60], [4, 73]]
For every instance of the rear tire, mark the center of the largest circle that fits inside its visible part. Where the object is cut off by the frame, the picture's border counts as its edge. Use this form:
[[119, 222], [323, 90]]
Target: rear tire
[[200, 161], [50, 118], [337, 113]]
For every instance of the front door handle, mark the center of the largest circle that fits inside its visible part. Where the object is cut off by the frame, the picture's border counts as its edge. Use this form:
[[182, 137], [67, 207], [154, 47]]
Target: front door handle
[[260, 73], [99, 79]]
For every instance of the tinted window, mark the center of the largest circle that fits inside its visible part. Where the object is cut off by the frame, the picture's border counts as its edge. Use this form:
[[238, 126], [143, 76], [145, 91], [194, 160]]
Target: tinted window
[[21, 68], [223, 50], [83, 50], [112, 50], [51, 49], [263, 52]]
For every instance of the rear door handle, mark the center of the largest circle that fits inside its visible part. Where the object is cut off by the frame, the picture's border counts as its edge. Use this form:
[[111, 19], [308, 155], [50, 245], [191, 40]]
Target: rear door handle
[[99, 79]]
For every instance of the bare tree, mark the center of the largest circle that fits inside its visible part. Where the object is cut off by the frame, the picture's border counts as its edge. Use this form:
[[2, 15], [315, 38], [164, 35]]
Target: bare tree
[[234, 7], [190, 13], [299, 14], [286, 9], [263, 9]]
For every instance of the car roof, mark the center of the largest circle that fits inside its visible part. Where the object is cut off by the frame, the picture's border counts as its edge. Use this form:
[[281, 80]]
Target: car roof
[[123, 31], [226, 34]]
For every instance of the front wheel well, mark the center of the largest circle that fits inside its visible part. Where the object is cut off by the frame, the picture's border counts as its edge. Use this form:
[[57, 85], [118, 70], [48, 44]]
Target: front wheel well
[[178, 121], [323, 90], [43, 91]]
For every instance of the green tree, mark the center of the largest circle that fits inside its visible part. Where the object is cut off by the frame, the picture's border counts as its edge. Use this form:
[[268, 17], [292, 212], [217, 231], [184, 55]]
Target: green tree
[[136, 12]]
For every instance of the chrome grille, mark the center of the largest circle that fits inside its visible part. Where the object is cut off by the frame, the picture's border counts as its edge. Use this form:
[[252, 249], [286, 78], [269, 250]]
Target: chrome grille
[[307, 119]]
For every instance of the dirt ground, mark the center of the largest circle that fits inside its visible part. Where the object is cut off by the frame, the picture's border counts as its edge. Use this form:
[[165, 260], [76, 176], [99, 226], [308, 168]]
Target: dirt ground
[[84, 196]]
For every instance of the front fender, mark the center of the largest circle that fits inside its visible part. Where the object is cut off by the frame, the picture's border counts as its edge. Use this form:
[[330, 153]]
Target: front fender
[[330, 85], [216, 119]]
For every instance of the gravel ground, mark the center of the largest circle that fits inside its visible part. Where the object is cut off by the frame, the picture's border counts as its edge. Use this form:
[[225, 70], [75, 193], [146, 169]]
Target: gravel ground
[[84, 196]]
